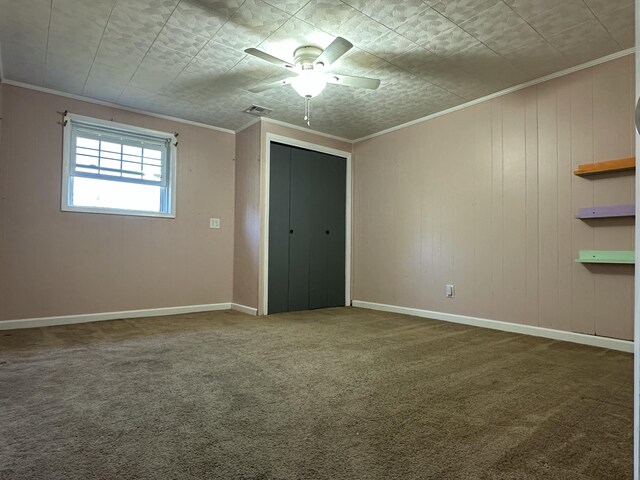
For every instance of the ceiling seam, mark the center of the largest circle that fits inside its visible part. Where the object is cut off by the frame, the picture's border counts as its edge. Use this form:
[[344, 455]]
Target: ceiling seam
[[46, 48], [279, 28], [148, 50], [545, 38], [210, 39], [84, 85], [296, 12], [227, 21], [602, 24], [535, 30], [483, 43]]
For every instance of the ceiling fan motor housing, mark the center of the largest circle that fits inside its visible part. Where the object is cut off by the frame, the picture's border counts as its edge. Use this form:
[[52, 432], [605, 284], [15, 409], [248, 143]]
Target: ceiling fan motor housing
[[306, 56]]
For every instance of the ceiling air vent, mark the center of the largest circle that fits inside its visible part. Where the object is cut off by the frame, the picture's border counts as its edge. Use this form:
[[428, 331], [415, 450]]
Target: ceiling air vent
[[258, 111]]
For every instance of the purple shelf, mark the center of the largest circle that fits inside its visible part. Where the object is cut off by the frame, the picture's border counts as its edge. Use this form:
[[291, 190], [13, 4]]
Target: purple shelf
[[607, 211]]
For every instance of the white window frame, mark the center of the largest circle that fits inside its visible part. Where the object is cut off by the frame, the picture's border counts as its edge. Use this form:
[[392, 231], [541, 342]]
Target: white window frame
[[169, 165]]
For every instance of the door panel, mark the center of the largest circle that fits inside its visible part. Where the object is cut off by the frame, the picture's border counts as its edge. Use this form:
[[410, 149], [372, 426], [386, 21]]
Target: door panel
[[327, 261], [318, 267], [336, 192], [299, 223], [279, 185]]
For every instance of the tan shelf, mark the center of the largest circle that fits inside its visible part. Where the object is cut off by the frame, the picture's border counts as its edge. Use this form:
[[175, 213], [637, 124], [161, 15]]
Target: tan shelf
[[619, 165]]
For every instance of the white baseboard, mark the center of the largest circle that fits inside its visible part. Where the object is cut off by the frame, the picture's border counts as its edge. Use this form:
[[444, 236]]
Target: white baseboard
[[603, 342], [244, 309], [98, 317]]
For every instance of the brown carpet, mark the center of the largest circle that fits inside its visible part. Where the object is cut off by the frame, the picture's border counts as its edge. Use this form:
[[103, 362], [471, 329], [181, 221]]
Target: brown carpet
[[342, 393]]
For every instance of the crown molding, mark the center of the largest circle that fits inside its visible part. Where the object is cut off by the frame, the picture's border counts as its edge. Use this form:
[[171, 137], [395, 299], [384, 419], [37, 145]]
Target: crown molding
[[114, 105], [247, 125], [471, 103], [307, 130], [507, 91]]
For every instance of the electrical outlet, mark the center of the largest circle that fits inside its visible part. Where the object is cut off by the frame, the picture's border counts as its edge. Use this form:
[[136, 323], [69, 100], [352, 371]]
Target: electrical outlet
[[449, 291], [214, 223]]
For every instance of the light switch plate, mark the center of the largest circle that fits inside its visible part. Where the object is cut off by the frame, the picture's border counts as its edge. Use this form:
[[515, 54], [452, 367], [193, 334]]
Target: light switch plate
[[449, 291], [214, 223]]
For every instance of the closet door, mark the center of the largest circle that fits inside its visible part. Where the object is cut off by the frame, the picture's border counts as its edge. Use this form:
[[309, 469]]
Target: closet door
[[335, 228], [307, 209], [300, 221], [279, 185], [327, 247]]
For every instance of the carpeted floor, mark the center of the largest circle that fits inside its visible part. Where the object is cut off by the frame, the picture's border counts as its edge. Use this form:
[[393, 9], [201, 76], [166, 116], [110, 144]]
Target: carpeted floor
[[342, 393]]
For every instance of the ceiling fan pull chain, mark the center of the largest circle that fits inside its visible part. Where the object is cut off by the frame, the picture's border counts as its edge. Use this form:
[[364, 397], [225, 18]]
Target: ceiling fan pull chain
[[307, 110]]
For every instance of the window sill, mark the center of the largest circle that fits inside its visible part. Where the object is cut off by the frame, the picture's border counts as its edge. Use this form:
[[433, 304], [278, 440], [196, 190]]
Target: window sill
[[115, 211]]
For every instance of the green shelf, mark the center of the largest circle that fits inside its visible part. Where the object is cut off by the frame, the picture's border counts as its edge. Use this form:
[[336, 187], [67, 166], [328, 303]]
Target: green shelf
[[606, 256]]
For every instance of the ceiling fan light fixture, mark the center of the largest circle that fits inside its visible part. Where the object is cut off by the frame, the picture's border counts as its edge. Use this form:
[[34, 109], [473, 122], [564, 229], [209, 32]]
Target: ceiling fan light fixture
[[309, 84], [310, 63]]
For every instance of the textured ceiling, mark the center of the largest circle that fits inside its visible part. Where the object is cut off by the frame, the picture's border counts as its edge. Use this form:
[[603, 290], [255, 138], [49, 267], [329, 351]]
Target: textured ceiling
[[185, 57]]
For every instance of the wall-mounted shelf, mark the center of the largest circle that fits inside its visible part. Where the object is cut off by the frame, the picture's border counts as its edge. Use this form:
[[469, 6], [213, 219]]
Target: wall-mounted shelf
[[619, 165], [606, 256], [607, 211]]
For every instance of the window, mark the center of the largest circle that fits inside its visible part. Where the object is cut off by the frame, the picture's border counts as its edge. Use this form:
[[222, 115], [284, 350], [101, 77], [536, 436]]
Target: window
[[119, 169]]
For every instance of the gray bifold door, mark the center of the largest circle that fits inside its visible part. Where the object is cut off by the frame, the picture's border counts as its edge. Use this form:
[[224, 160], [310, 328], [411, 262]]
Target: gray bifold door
[[307, 233]]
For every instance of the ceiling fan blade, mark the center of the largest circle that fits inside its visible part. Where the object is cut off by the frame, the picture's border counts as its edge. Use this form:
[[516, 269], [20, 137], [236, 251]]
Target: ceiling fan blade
[[268, 86], [358, 82], [334, 51], [269, 58]]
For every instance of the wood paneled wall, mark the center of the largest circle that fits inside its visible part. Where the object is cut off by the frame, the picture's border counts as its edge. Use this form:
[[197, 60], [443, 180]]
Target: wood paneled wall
[[485, 198]]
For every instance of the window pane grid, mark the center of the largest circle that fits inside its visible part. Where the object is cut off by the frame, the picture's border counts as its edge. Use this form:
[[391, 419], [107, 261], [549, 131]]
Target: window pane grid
[[139, 162], [129, 139]]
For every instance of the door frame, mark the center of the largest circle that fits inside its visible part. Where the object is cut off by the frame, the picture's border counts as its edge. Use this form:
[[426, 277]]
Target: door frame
[[275, 138]]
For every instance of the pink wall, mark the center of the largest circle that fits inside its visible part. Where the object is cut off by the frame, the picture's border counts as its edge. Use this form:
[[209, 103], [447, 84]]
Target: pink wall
[[62, 263], [485, 198], [247, 217]]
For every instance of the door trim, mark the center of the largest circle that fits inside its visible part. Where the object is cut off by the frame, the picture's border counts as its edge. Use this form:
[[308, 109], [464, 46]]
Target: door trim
[[264, 241]]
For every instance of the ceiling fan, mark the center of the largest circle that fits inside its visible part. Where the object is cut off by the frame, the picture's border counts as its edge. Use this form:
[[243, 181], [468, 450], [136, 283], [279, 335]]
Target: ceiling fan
[[310, 66]]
